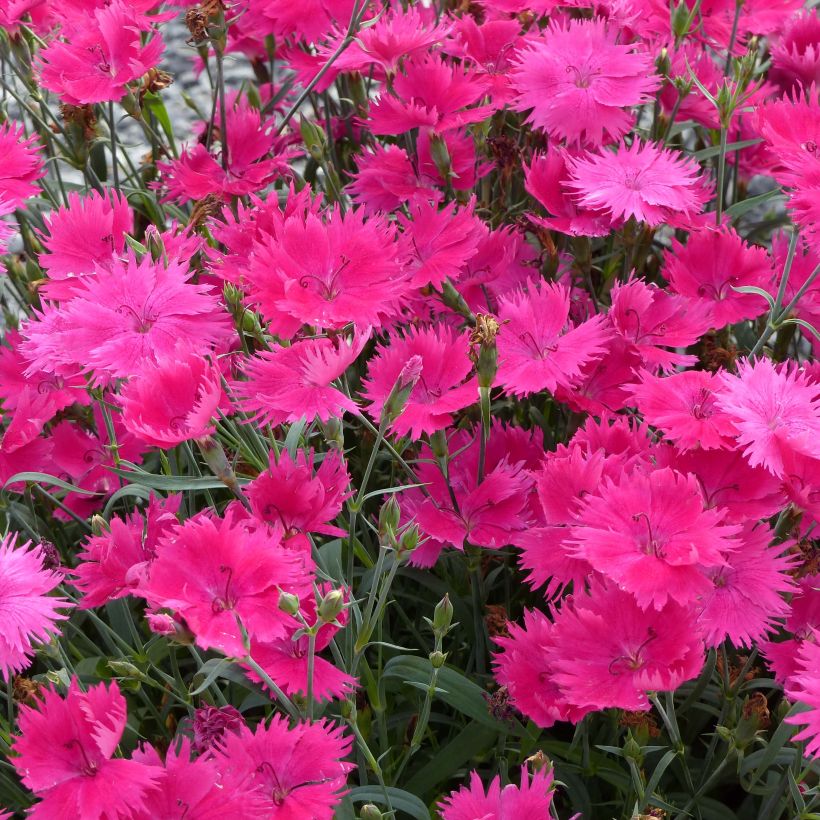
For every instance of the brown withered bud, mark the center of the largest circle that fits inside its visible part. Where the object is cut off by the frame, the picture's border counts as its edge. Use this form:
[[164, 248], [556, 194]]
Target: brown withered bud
[[644, 721], [497, 621], [498, 704], [208, 206], [485, 330], [757, 707], [25, 690], [82, 116], [155, 80], [197, 22]]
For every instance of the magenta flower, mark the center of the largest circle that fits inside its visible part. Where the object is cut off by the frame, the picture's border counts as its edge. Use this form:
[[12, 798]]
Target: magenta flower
[[288, 383], [711, 265], [301, 771], [796, 54], [85, 234], [608, 652], [532, 799], [233, 573], [775, 410], [22, 166], [103, 54], [65, 755], [650, 533], [578, 82], [539, 347], [747, 599], [444, 385], [804, 686], [121, 316], [643, 180], [172, 399], [28, 612], [299, 498]]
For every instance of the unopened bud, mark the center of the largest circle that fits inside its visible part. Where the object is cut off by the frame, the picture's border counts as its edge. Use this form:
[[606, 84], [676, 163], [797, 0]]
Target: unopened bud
[[99, 525], [314, 138], [437, 659], [124, 669], [441, 156], [632, 749], [331, 606], [288, 602], [370, 812], [539, 762], [443, 615], [408, 540], [681, 19], [410, 374], [389, 516]]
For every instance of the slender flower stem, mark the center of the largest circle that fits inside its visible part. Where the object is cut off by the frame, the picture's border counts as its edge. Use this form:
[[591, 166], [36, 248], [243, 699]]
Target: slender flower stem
[[112, 128]]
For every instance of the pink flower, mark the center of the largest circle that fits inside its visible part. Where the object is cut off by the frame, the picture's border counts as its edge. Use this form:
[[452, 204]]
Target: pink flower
[[577, 81], [652, 536], [796, 54], [250, 166], [116, 563], [172, 399], [28, 612], [87, 233], [123, 315], [683, 406], [608, 652], [643, 180], [310, 21], [444, 385], [524, 667], [539, 347], [711, 265], [210, 723], [328, 271], [22, 166], [532, 799], [298, 498], [747, 598], [288, 383], [776, 411], [104, 53], [300, 771], [232, 573], [65, 755], [804, 686]]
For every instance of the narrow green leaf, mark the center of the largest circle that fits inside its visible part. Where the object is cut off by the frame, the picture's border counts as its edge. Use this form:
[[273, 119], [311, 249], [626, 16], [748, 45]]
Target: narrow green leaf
[[45, 478]]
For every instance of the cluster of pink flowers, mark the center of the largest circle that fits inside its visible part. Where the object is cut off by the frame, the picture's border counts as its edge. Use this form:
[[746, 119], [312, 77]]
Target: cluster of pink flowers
[[400, 297]]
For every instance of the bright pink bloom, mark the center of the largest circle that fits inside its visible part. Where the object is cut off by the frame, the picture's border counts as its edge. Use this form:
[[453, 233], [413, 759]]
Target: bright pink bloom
[[682, 405], [87, 233], [66, 756], [310, 21], [22, 166], [123, 315], [796, 54], [298, 498], [747, 598], [231, 573], [538, 346], [104, 53], [209, 723], [775, 410], [524, 667], [444, 386], [301, 771], [288, 383], [644, 181], [6, 229], [255, 159], [711, 265], [327, 271], [28, 613], [442, 241], [608, 652], [804, 262], [578, 82], [652, 536], [532, 799], [172, 399], [804, 686], [116, 562]]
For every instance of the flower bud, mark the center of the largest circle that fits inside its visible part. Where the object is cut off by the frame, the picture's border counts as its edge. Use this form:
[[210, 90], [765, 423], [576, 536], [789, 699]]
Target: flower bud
[[441, 157], [99, 525], [331, 606], [410, 374], [437, 659], [124, 669], [539, 762], [314, 138], [370, 812], [288, 602], [681, 20], [632, 749], [389, 516], [443, 615], [408, 540]]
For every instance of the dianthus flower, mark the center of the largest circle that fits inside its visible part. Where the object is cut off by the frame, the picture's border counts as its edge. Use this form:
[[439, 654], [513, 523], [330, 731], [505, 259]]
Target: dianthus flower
[[775, 410], [122, 315], [253, 161], [608, 652], [683, 406], [172, 399], [104, 53], [796, 54], [86, 233], [29, 614], [288, 383], [232, 573], [652, 536], [444, 385], [327, 271], [644, 180], [748, 594], [22, 165], [711, 265], [309, 20], [65, 755], [539, 347], [804, 686], [301, 770], [299, 498], [579, 82], [532, 799]]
